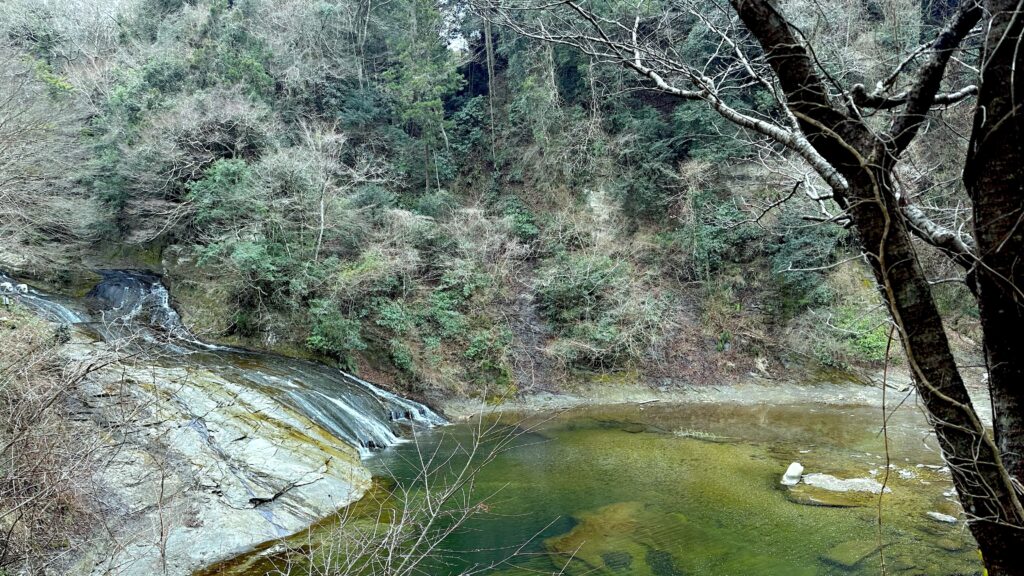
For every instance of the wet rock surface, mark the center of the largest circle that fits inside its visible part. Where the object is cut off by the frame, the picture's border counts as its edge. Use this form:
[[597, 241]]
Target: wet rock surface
[[210, 449], [831, 483], [200, 469]]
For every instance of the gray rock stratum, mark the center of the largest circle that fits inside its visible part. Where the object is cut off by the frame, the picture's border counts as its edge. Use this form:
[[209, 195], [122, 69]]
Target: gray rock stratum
[[197, 468]]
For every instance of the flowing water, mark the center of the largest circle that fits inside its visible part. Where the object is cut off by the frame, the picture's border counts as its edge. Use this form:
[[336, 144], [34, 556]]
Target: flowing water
[[135, 306], [660, 490]]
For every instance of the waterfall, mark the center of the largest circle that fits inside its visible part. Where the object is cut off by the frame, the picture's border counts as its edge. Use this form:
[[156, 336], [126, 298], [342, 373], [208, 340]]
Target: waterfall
[[128, 303], [52, 308]]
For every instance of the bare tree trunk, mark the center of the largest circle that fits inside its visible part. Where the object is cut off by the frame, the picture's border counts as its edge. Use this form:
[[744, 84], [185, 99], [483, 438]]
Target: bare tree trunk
[[490, 82], [994, 176], [323, 221], [362, 30], [825, 126], [549, 53], [985, 487]]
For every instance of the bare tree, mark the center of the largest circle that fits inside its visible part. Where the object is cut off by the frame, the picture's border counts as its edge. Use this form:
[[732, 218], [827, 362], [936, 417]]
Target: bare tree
[[854, 139], [333, 178], [38, 148], [48, 497]]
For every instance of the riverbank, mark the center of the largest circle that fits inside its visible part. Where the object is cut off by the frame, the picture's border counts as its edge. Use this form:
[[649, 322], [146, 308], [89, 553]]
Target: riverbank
[[191, 455], [164, 464], [862, 390]]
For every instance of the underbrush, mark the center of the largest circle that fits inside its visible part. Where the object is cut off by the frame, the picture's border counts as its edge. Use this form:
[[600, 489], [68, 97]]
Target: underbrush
[[46, 460], [850, 328]]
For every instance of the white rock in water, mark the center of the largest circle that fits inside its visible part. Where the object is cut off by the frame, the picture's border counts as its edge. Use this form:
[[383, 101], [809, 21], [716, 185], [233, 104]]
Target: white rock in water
[[792, 475], [6, 287], [833, 484], [940, 517], [23, 288]]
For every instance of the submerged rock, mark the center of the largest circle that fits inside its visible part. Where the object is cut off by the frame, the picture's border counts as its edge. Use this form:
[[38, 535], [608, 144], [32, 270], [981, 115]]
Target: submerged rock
[[661, 563], [813, 496], [833, 484], [849, 554], [940, 517], [616, 536], [617, 560]]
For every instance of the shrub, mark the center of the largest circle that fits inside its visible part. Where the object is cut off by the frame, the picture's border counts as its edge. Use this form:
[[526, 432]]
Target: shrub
[[392, 315], [443, 312], [438, 203], [866, 333], [487, 350], [717, 233], [48, 461], [521, 220], [224, 197], [603, 316], [401, 356], [803, 246], [574, 287], [333, 334]]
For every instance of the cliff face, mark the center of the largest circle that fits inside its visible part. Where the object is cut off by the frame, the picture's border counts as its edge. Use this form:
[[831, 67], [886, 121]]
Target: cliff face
[[196, 468]]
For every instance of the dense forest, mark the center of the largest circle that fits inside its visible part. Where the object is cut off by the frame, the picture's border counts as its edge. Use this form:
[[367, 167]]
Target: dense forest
[[405, 187], [488, 199]]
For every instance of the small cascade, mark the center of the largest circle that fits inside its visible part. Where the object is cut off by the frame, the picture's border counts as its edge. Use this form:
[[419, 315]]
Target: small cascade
[[352, 409], [129, 300], [407, 410], [52, 308], [137, 304]]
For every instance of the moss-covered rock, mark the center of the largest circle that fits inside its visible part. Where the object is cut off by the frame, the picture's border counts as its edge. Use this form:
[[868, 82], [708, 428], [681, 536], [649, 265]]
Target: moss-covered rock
[[849, 554]]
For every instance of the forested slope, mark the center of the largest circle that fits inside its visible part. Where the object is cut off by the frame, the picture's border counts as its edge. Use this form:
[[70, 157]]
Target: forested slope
[[433, 200]]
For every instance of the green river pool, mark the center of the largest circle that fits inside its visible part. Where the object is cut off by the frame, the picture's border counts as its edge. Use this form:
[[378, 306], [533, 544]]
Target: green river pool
[[667, 490]]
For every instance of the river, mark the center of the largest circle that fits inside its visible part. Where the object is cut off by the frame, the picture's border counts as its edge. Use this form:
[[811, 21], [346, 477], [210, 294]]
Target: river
[[135, 306], [661, 489], [677, 489]]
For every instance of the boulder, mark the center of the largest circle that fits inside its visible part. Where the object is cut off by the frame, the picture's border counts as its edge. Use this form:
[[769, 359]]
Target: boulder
[[940, 517], [792, 475], [211, 468], [23, 288], [849, 554]]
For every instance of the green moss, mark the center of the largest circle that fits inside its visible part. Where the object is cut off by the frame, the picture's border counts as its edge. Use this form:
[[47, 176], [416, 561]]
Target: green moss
[[626, 377], [146, 256], [849, 554]]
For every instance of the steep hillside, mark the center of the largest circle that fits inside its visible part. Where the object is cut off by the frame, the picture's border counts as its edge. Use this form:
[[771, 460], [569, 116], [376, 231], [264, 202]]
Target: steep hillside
[[454, 209]]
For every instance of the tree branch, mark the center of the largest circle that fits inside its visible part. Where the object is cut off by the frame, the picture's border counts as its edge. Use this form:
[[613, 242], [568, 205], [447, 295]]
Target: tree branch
[[861, 98], [922, 95]]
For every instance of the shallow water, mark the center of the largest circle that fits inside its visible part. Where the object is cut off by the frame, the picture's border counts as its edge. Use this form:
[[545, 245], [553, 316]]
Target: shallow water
[[694, 489]]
